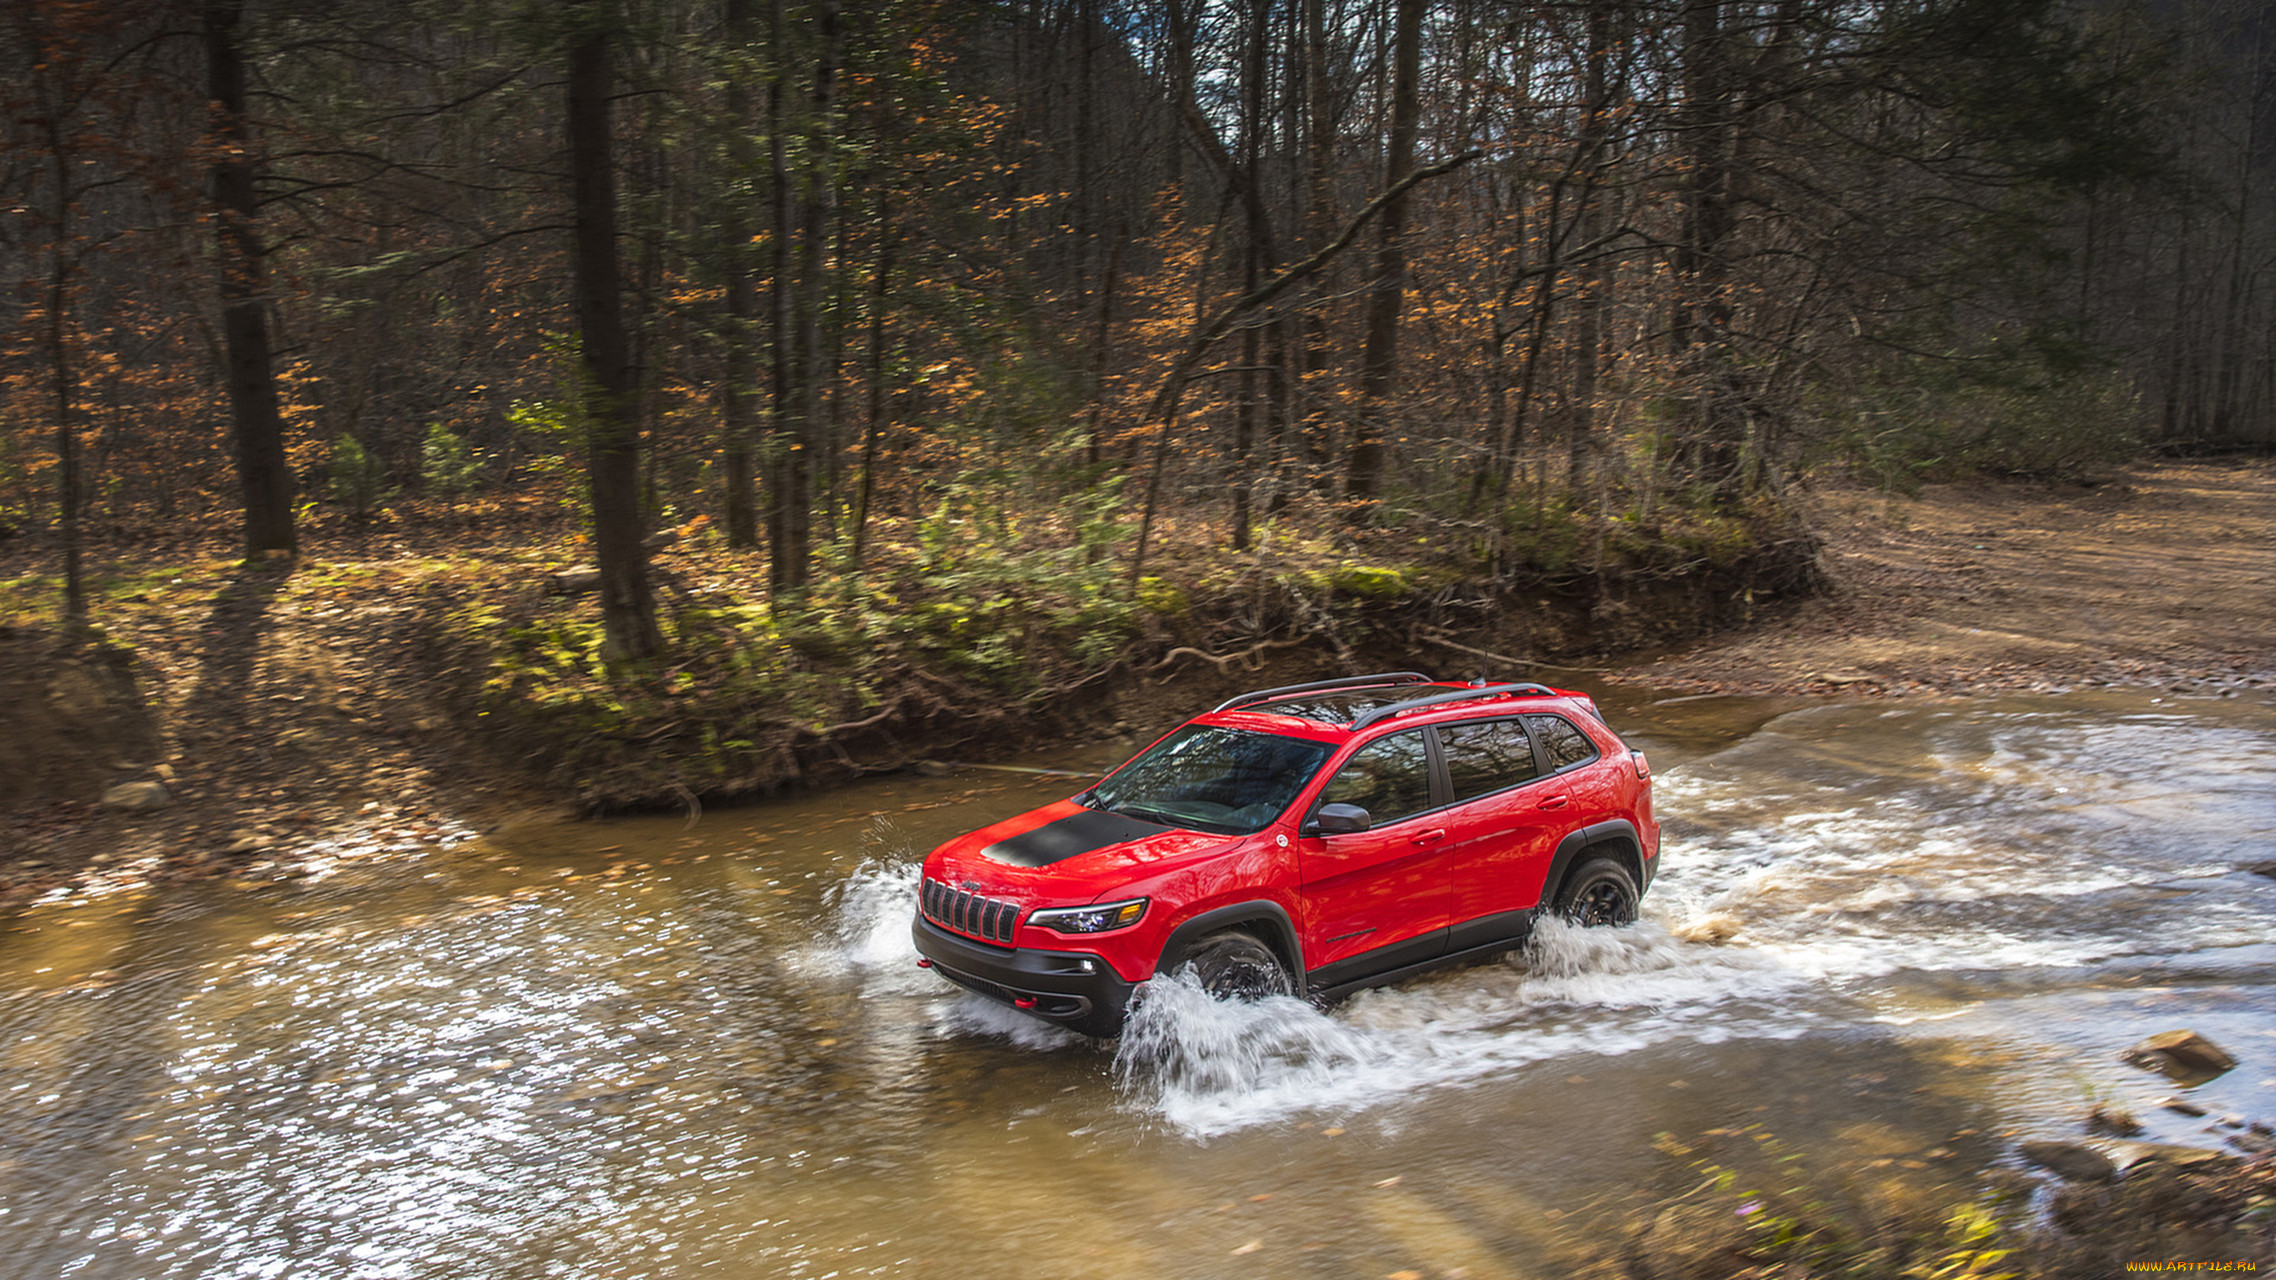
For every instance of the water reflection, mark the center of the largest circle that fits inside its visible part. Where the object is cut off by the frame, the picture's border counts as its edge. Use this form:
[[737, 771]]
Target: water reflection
[[1885, 934]]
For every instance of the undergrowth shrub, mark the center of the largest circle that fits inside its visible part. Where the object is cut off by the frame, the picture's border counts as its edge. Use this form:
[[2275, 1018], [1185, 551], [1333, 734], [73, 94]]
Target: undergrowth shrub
[[448, 465], [358, 478], [2013, 409]]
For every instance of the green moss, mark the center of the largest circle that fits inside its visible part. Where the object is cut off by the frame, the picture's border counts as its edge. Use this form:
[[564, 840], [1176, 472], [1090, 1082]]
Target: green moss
[[1370, 582], [1163, 598]]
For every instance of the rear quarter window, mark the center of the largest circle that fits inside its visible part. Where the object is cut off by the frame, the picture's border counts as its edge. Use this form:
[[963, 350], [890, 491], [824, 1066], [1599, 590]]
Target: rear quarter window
[[1561, 741]]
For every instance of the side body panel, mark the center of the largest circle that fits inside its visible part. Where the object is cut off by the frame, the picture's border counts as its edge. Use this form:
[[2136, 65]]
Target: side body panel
[[1501, 861], [1373, 889]]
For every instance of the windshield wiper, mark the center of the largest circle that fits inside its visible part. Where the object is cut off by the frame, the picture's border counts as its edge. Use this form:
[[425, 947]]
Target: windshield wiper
[[1148, 813]]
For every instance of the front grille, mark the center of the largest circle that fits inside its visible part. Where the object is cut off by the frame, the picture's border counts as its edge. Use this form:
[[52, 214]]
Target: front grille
[[988, 919]]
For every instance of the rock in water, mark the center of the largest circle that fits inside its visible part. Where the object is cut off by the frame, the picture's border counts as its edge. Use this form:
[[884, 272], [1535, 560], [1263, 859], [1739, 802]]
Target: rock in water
[[2184, 1055], [2070, 1161], [137, 797]]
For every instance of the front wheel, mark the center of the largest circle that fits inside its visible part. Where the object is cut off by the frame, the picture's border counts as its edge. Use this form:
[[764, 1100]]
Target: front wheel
[[1236, 966], [1599, 892]]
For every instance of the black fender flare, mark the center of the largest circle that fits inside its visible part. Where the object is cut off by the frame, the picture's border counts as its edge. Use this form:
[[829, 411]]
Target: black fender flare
[[1615, 837], [1264, 918]]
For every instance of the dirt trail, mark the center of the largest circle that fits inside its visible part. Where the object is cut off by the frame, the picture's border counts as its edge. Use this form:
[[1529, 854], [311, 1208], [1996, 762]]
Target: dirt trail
[[2166, 576]]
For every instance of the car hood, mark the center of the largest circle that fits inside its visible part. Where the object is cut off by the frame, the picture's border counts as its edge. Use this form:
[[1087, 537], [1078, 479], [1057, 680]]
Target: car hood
[[1062, 845]]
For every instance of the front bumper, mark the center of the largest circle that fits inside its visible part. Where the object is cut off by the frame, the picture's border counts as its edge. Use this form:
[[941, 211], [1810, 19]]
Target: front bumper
[[1075, 989]]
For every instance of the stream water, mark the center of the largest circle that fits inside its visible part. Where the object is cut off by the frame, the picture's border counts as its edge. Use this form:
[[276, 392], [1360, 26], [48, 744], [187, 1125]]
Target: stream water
[[1890, 941]]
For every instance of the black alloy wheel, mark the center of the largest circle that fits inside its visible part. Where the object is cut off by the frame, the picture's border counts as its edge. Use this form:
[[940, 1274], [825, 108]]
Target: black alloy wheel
[[1235, 966], [1599, 893]]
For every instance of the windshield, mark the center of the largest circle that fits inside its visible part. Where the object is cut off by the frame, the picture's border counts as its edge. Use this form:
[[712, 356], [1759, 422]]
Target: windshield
[[1229, 781]]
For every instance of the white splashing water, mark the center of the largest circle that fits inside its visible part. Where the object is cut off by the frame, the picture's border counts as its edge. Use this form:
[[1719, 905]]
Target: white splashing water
[[1207, 1067], [873, 907]]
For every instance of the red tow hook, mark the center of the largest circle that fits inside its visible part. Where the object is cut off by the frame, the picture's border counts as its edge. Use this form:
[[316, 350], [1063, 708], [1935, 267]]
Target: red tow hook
[[923, 963], [1023, 1002]]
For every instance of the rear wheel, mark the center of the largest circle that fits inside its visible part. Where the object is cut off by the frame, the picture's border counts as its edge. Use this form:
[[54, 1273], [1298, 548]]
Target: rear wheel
[[1599, 892], [1236, 966]]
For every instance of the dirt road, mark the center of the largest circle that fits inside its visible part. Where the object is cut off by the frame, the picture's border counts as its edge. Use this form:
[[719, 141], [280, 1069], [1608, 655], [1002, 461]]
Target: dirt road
[[2166, 576]]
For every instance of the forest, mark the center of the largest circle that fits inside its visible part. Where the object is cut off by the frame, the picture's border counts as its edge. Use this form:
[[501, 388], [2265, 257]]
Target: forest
[[940, 326]]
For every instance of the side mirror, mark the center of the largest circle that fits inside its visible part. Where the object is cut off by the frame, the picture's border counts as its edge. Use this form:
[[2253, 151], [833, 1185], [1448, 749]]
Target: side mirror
[[1342, 819]]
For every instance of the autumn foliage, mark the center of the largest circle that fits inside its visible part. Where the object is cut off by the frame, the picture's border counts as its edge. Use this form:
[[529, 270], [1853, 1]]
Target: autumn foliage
[[1546, 290]]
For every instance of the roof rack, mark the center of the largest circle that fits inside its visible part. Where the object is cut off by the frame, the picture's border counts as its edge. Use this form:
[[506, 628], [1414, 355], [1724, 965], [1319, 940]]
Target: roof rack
[[1385, 712], [1344, 682]]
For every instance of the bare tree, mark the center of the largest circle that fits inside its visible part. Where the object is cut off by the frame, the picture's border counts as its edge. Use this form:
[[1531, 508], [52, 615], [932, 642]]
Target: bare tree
[[628, 610]]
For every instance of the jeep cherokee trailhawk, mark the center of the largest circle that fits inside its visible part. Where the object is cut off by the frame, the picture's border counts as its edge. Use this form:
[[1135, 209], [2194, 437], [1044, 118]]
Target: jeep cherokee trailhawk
[[1308, 840]]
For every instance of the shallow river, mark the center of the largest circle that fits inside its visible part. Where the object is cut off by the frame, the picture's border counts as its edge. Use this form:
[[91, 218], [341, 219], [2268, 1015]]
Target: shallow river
[[1889, 941]]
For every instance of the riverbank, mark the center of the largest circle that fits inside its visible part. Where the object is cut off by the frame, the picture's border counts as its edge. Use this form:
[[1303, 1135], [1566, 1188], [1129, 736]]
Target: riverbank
[[403, 687], [366, 704]]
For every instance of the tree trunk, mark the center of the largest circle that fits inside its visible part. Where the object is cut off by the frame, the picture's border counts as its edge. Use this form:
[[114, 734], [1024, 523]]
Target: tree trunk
[[628, 611], [737, 398], [1716, 451], [1254, 248], [264, 477], [879, 397], [810, 440], [783, 451], [1100, 350], [1317, 344], [66, 410], [1588, 301], [1379, 360]]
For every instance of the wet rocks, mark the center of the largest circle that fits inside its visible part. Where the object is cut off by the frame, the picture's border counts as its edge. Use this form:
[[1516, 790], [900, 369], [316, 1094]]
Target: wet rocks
[[1714, 930], [2259, 1146], [137, 797], [243, 842], [2130, 1156], [2183, 1055], [2070, 1161], [2114, 1121]]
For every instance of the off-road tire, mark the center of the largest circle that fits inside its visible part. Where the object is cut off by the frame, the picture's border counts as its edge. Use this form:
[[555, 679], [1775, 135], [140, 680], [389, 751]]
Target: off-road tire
[[1599, 893], [1236, 966]]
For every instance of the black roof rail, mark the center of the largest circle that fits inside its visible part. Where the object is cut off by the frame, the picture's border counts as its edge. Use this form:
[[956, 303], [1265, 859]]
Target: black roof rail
[[1385, 712], [1344, 682]]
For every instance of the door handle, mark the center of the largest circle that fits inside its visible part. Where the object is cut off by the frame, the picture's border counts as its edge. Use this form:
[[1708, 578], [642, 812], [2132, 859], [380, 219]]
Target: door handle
[[1554, 802], [1430, 837]]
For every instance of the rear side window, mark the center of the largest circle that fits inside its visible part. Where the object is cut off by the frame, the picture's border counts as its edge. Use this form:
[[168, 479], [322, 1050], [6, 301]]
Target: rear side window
[[1561, 742], [1389, 777], [1486, 757]]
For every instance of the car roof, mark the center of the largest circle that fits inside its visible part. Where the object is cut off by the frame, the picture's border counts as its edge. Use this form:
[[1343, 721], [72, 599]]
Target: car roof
[[1348, 706]]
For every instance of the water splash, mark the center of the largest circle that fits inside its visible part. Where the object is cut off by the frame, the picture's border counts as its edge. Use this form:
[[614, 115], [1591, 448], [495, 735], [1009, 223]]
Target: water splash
[[1206, 1067], [871, 910]]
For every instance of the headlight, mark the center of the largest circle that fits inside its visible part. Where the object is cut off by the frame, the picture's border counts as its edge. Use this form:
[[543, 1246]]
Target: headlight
[[1098, 919]]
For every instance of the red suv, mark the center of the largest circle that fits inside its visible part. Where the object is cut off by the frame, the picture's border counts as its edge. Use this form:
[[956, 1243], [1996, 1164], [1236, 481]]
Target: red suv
[[1308, 840]]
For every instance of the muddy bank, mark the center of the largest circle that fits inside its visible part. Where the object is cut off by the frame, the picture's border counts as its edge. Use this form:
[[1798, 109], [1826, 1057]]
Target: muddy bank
[[377, 699], [74, 720]]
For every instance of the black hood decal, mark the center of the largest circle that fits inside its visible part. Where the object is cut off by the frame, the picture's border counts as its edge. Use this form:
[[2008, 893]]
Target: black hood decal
[[1077, 833]]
